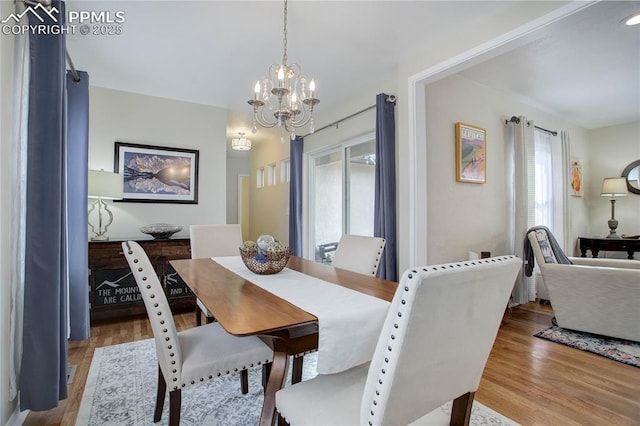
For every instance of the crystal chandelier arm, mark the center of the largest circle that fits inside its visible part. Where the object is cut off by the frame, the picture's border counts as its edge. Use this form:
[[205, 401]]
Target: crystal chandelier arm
[[305, 118], [258, 116]]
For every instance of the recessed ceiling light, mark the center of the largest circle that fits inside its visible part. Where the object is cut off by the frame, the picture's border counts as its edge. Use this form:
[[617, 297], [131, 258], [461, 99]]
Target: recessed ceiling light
[[633, 19]]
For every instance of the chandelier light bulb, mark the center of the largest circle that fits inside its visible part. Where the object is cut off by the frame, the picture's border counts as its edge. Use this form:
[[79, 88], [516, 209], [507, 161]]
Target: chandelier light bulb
[[312, 87], [257, 89], [281, 75]]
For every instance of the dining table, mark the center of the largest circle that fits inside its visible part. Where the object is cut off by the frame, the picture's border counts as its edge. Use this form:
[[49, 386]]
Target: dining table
[[306, 307]]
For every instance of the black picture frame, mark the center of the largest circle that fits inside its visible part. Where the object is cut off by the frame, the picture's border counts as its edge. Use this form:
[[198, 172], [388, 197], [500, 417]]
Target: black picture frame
[[157, 174]]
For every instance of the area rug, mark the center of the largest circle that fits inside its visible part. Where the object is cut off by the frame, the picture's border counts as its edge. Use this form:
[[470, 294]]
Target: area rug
[[121, 388], [621, 350]]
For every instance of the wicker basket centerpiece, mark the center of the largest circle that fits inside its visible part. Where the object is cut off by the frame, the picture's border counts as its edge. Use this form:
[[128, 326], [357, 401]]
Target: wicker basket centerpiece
[[266, 256]]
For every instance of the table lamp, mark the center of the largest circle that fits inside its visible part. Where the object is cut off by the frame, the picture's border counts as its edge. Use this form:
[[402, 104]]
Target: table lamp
[[103, 186], [613, 187]]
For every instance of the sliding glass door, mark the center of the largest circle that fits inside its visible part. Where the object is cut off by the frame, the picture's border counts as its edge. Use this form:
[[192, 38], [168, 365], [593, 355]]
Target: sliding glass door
[[341, 188]]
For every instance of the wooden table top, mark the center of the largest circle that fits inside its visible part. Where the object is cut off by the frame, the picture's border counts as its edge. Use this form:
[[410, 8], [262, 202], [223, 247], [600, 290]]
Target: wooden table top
[[244, 308]]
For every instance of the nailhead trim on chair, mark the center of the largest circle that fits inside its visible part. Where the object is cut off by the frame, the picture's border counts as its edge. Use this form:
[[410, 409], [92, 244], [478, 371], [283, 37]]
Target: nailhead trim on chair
[[164, 330], [408, 289], [377, 262]]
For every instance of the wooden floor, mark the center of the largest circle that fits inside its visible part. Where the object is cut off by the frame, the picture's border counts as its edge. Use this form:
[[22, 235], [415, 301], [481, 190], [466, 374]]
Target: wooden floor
[[530, 380]]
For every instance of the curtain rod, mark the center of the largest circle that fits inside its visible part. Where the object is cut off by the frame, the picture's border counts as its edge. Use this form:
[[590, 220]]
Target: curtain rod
[[76, 76], [551, 132], [390, 98], [516, 120], [47, 4]]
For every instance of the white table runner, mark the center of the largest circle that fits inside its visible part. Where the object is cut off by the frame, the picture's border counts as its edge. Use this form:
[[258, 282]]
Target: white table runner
[[349, 322]]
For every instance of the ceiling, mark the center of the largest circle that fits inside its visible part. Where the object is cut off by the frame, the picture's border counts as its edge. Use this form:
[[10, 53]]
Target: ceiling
[[586, 68]]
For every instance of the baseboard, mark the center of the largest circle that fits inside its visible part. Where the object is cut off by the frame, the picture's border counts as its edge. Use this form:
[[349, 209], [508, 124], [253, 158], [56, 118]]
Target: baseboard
[[17, 417]]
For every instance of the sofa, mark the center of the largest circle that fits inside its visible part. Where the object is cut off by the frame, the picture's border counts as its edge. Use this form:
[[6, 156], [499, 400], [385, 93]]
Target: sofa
[[600, 296]]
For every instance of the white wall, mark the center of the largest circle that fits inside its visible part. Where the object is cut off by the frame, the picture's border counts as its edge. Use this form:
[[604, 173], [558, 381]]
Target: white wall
[[465, 217], [128, 117], [6, 101], [611, 149], [235, 166]]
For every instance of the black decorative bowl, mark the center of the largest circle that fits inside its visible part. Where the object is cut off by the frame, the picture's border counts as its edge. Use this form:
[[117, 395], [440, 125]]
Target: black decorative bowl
[[161, 231]]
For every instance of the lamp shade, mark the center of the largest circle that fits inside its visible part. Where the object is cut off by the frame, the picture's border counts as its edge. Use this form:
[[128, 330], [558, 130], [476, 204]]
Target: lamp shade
[[104, 185], [614, 187], [241, 144]]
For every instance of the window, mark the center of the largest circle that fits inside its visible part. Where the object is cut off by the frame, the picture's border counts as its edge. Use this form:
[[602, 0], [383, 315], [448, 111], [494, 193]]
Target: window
[[341, 194], [260, 177], [271, 174], [285, 171], [547, 183]]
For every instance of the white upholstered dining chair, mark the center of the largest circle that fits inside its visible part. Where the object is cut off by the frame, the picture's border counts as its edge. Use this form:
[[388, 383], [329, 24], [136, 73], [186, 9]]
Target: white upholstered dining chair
[[433, 347], [191, 356], [211, 241], [359, 254]]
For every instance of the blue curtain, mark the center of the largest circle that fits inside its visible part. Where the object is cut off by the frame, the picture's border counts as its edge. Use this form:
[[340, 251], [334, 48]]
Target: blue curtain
[[77, 149], [54, 196], [295, 196], [384, 220]]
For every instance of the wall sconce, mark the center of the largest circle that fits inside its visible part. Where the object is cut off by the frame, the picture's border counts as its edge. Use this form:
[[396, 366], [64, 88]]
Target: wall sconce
[[103, 186], [613, 187], [241, 143]]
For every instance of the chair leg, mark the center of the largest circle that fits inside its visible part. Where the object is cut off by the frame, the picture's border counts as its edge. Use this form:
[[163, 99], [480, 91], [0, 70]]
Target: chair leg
[[266, 370], [461, 409], [198, 316], [175, 400], [282, 421], [296, 369], [244, 381], [162, 388]]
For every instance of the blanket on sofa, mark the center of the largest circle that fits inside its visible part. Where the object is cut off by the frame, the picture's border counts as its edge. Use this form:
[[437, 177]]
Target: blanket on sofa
[[545, 237]]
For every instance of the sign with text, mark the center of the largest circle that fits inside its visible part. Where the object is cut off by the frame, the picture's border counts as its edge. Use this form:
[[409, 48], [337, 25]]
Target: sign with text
[[115, 287]]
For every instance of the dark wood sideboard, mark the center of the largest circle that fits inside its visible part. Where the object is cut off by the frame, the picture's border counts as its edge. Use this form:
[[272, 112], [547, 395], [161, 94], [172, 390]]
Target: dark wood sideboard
[[113, 291], [629, 245]]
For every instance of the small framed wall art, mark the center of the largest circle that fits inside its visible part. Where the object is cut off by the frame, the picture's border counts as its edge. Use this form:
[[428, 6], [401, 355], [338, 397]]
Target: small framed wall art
[[471, 153], [157, 174], [576, 177]]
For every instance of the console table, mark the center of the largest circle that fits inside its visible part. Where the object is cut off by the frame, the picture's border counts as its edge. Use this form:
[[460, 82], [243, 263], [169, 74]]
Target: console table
[[608, 244], [113, 292]]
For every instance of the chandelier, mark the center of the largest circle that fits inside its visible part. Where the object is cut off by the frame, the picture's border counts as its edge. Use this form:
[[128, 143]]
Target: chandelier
[[285, 98], [241, 143]]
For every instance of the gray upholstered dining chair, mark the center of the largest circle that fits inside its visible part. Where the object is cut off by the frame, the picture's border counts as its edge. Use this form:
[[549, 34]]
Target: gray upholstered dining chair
[[211, 241], [191, 356], [433, 348], [359, 254]]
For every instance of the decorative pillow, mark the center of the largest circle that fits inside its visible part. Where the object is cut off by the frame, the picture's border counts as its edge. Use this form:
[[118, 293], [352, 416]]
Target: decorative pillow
[[545, 246]]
